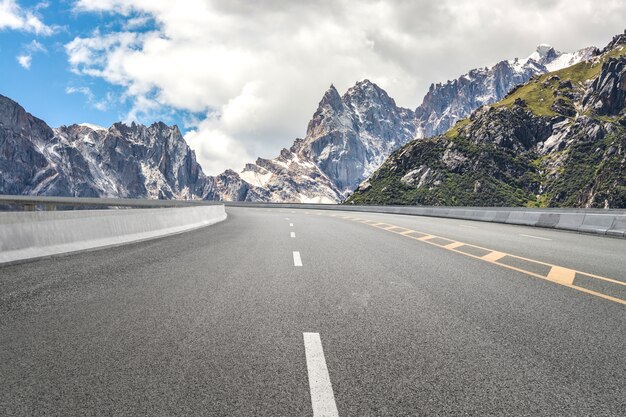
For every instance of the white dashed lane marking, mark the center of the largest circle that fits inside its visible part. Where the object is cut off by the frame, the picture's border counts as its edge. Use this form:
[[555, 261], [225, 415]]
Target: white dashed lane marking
[[322, 396], [535, 237], [297, 261]]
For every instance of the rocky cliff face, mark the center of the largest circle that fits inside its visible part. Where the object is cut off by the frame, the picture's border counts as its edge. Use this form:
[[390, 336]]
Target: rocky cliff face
[[558, 140], [133, 161], [348, 137], [30, 153], [446, 103]]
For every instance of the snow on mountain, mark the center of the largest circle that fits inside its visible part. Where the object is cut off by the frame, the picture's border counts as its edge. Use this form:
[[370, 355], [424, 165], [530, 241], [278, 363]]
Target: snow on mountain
[[347, 139], [446, 103], [133, 161], [92, 126]]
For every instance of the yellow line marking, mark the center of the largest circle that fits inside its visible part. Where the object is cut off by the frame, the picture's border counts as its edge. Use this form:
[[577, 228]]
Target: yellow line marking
[[562, 275], [404, 230], [493, 256], [558, 275], [613, 281], [454, 245]]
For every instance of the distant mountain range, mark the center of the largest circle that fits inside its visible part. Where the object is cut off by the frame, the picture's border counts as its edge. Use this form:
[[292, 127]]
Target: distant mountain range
[[557, 141], [347, 140], [447, 103]]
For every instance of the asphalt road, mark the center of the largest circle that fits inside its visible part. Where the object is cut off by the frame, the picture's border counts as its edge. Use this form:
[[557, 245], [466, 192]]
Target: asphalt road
[[221, 322]]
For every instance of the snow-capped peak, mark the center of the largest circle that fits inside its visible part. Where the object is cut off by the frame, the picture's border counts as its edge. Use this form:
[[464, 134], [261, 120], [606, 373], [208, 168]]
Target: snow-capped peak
[[564, 60], [92, 126], [543, 49]]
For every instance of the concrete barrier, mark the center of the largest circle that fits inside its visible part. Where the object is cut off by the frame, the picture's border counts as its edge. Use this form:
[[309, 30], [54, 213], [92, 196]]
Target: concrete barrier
[[596, 223], [618, 228], [610, 222], [599, 221], [30, 235]]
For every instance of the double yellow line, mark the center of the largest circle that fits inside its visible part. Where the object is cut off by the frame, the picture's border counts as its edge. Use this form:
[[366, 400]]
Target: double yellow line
[[549, 272]]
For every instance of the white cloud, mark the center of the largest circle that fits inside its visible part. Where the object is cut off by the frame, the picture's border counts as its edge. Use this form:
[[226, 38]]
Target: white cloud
[[99, 104], [258, 70], [12, 16], [24, 60], [26, 57]]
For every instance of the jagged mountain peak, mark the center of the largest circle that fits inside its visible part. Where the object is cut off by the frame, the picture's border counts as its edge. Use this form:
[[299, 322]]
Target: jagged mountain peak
[[364, 85], [544, 53], [559, 140], [14, 117], [331, 99], [348, 137], [544, 49], [617, 40], [446, 103], [365, 94], [92, 126]]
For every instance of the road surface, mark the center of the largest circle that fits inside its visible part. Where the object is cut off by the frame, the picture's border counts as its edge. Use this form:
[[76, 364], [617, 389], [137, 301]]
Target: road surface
[[290, 312]]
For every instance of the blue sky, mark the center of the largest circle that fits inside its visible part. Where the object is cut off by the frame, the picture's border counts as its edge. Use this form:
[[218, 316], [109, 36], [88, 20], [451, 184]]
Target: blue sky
[[48, 88], [243, 78]]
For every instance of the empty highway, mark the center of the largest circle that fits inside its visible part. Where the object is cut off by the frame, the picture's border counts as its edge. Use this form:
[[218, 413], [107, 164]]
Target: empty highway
[[278, 312]]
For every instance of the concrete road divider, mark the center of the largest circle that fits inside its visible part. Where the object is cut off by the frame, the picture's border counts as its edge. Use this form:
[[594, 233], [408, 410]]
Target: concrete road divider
[[30, 235], [610, 222]]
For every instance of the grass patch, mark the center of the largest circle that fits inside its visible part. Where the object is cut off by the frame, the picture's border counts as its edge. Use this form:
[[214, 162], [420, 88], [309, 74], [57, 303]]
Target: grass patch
[[539, 92]]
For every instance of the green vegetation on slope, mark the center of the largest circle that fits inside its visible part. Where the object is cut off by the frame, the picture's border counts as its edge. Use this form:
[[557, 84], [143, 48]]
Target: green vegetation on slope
[[496, 157], [538, 94]]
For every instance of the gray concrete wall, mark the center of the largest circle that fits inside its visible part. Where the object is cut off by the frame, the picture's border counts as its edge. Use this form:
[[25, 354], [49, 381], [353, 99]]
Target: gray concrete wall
[[30, 235], [597, 221]]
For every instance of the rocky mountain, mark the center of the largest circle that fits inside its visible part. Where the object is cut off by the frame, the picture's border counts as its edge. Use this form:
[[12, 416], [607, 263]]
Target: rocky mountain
[[348, 137], [446, 103], [558, 140], [133, 161]]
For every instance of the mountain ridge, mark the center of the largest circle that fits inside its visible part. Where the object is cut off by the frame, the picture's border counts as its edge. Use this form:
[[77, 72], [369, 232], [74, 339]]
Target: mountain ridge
[[557, 141], [348, 137]]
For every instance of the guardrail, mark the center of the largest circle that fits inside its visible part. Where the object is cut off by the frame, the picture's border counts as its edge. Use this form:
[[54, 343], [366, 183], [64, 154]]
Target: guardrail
[[28, 235], [610, 222], [30, 203]]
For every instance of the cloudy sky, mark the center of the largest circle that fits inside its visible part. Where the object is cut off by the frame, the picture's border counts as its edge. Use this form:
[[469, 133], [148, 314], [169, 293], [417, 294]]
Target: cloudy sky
[[242, 78]]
